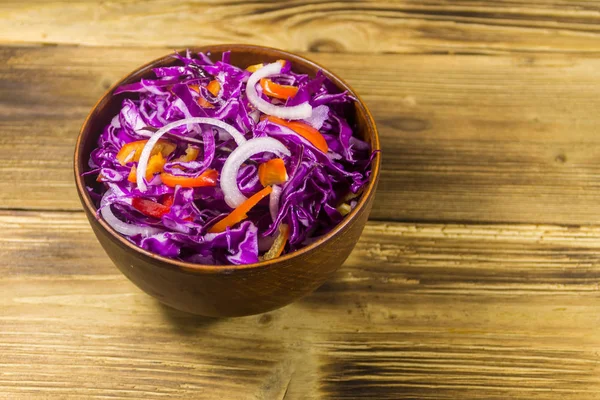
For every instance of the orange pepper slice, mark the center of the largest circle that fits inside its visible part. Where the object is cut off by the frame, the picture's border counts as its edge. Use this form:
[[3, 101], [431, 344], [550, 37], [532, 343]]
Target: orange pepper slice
[[132, 175], [191, 153], [207, 178], [256, 67], [239, 214], [306, 131], [279, 243], [132, 151], [203, 103], [276, 90], [155, 165], [272, 172], [214, 87]]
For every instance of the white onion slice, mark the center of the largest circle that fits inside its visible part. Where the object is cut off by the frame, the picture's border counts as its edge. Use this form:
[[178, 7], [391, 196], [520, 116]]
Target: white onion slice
[[274, 201], [145, 156], [123, 227], [301, 111], [229, 173]]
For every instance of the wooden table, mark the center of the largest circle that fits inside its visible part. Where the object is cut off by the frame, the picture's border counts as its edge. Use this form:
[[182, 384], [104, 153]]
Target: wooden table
[[478, 275]]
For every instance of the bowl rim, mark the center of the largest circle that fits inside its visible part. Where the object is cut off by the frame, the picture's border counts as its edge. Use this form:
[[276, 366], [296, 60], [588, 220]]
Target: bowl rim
[[368, 192]]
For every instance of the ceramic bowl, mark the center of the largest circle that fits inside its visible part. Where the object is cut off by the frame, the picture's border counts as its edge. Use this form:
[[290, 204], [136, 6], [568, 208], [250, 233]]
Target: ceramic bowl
[[225, 291]]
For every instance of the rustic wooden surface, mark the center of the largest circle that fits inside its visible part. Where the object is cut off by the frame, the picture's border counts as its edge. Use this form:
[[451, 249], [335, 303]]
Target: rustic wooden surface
[[478, 276]]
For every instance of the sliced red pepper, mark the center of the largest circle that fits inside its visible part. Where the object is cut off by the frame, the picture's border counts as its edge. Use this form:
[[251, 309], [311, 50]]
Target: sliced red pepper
[[149, 207], [272, 172], [207, 178], [239, 214], [306, 131], [276, 90], [168, 200]]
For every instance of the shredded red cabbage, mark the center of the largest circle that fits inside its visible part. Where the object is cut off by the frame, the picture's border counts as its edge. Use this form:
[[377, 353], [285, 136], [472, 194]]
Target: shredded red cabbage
[[309, 202]]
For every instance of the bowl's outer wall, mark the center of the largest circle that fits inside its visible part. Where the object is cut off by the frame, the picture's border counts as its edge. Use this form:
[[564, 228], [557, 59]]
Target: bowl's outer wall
[[228, 291], [234, 292]]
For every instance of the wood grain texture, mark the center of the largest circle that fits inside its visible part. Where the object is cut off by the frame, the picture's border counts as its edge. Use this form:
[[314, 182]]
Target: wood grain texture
[[488, 115], [419, 311], [351, 26], [464, 138]]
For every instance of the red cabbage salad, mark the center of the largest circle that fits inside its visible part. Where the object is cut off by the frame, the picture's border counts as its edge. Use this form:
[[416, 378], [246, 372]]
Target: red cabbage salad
[[215, 164]]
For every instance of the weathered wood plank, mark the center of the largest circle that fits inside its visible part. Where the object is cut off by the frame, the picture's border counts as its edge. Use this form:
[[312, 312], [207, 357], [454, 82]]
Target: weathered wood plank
[[357, 26], [418, 311], [487, 112], [465, 138]]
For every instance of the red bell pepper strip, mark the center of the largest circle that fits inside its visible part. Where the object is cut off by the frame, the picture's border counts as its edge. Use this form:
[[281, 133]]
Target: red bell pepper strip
[[207, 178], [149, 207]]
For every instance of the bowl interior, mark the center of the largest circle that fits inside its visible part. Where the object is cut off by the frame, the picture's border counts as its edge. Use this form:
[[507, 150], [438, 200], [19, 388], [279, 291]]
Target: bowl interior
[[242, 56]]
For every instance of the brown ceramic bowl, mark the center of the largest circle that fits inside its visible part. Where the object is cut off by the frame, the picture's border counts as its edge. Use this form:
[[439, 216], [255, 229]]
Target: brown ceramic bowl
[[225, 291]]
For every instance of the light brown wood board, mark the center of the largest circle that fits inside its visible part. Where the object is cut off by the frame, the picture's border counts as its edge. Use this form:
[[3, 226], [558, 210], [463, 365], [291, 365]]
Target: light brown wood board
[[476, 278]]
